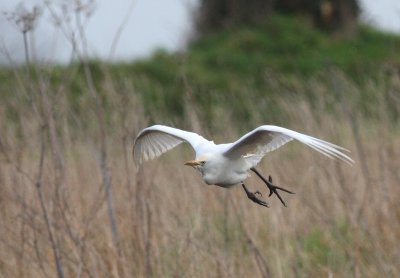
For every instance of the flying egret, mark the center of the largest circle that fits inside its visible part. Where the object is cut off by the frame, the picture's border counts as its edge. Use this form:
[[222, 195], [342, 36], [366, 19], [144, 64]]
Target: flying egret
[[229, 164]]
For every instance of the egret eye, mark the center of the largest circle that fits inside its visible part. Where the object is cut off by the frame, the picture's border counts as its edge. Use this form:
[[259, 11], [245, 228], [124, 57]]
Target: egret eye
[[203, 162]]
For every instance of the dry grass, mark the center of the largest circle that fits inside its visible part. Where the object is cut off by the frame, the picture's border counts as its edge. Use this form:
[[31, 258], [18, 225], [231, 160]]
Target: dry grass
[[343, 221]]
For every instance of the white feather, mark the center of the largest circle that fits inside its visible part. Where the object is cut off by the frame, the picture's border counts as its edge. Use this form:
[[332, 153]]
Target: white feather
[[156, 140], [267, 138]]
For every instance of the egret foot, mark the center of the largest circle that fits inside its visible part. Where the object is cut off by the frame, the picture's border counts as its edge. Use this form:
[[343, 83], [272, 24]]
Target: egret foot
[[272, 188], [253, 196]]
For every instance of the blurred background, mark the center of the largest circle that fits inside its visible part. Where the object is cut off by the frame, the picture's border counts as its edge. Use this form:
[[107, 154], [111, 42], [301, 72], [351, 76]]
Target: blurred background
[[79, 80], [141, 27]]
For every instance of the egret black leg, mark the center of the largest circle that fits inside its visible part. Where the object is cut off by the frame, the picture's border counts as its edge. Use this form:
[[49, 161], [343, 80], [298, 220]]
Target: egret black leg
[[253, 196], [272, 188]]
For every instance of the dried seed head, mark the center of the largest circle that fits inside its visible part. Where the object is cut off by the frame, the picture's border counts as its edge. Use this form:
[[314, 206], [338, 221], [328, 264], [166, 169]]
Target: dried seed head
[[24, 19]]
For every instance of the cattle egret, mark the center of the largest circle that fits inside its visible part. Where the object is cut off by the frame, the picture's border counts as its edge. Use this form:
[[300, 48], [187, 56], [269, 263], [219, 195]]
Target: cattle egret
[[229, 164]]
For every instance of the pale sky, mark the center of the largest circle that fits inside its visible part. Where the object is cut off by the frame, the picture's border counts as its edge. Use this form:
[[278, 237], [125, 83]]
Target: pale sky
[[150, 25]]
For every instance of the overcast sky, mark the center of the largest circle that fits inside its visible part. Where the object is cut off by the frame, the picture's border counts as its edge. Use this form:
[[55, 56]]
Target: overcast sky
[[150, 24]]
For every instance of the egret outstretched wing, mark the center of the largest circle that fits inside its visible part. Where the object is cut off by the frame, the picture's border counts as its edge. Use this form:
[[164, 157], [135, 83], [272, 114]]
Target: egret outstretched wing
[[156, 140], [267, 138]]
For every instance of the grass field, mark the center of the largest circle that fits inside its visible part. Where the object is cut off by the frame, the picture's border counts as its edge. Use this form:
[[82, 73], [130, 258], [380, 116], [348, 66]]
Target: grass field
[[73, 203], [343, 221]]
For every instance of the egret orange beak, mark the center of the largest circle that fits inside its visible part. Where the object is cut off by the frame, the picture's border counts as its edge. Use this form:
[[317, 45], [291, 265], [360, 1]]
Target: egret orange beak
[[193, 163]]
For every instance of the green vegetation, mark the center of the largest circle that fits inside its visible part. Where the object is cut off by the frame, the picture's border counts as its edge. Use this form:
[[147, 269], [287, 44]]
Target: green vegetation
[[291, 46], [255, 65]]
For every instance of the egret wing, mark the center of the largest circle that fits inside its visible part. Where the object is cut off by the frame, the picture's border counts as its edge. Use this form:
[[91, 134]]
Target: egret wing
[[156, 140], [266, 138]]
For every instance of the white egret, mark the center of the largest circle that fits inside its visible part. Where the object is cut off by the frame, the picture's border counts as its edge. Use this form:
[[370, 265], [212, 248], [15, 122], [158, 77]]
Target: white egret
[[229, 164]]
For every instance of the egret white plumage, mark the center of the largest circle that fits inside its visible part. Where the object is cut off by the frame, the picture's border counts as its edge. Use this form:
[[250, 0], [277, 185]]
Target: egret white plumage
[[229, 164]]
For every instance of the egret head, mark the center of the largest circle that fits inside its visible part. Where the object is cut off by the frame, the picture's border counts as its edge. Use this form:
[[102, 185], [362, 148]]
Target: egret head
[[195, 163], [198, 163], [209, 165]]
